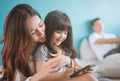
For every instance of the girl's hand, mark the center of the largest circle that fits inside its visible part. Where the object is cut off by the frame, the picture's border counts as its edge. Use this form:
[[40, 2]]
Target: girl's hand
[[68, 72], [89, 70]]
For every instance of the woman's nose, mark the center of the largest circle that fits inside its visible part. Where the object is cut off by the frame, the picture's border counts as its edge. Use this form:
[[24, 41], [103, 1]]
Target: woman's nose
[[41, 32]]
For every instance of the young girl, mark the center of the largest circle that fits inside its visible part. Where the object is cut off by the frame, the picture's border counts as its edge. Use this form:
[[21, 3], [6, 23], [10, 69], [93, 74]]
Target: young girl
[[59, 44]]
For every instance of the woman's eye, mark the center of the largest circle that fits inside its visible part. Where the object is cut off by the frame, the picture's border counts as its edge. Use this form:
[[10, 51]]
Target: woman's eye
[[33, 32], [41, 25]]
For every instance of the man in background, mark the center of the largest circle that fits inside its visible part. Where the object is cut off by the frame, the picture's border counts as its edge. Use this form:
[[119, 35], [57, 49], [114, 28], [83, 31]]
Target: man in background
[[100, 49]]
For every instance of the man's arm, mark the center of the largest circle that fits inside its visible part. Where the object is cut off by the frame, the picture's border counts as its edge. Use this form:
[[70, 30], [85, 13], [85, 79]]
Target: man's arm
[[108, 41]]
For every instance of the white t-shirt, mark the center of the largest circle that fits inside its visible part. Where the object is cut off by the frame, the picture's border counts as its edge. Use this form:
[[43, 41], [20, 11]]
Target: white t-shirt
[[100, 49]]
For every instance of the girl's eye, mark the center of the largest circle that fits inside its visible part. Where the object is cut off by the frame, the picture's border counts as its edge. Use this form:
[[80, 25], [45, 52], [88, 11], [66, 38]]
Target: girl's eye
[[61, 32], [65, 33], [58, 31]]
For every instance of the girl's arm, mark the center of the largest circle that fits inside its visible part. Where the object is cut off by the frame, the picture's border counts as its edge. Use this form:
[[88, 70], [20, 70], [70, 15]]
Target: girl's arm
[[76, 63]]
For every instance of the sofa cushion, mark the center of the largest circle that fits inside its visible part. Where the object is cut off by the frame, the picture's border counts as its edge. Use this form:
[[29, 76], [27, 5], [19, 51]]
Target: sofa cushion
[[86, 52], [110, 67]]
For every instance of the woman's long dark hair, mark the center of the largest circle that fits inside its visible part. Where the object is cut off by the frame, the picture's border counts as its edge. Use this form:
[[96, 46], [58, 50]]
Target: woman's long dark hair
[[57, 20], [17, 42]]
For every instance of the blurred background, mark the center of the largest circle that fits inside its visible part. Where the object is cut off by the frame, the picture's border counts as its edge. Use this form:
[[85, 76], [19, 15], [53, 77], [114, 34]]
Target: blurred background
[[81, 12]]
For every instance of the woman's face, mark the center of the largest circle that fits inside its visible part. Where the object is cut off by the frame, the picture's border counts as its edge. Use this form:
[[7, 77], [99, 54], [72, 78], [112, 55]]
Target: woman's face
[[58, 37], [37, 29]]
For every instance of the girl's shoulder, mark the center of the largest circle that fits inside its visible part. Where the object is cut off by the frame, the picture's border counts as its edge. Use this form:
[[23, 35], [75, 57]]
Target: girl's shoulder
[[42, 47]]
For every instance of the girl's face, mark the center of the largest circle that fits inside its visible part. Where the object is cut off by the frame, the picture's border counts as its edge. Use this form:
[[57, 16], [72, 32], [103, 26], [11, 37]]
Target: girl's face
[[37, 29], [58, 37]]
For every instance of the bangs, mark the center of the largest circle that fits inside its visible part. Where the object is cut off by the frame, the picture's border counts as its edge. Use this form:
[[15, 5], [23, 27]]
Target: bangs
[[63, 25]]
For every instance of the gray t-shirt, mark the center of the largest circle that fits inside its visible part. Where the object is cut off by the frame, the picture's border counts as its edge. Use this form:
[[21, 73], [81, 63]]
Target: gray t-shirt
[[42, 53]]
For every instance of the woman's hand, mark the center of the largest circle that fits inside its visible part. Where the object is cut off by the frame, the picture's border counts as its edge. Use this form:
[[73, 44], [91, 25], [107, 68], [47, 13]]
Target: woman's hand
[[64, 60], [45, 69], [50, 66]]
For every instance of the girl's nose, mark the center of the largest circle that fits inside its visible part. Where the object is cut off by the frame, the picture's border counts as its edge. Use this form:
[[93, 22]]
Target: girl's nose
[[61, 35]]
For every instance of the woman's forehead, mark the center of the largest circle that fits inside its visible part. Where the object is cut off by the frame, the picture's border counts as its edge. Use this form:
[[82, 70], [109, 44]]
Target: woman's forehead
[[33, 22]]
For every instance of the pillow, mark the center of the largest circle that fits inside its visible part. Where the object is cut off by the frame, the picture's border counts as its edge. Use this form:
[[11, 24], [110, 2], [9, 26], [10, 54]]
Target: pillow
[[86, 52], [110, 67]]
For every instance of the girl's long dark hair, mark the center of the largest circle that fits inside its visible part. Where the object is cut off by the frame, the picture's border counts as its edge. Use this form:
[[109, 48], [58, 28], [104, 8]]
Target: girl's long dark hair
[[57, 20], [17, 42]]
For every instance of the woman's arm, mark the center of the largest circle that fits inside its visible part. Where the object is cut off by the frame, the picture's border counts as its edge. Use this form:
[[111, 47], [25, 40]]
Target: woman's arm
[[52, 76], [44, 69], [59, 76]]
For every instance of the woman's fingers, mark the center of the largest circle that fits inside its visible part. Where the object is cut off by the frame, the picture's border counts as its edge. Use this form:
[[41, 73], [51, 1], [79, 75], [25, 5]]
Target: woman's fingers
[[53, 64], [65, 60], [54, 55]]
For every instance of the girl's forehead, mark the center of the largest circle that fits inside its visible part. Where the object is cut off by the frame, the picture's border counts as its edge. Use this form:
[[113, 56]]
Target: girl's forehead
[[61, 30]]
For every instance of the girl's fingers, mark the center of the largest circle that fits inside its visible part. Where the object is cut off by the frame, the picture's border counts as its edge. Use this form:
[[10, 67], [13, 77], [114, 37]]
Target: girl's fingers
[[76, 68], [69, 71], [89, 70]]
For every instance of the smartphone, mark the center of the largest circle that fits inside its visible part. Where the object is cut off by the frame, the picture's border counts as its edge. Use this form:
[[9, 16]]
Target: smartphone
[[81, 70]]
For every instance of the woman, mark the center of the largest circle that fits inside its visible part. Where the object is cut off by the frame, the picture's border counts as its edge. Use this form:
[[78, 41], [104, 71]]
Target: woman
[[23, 28]]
